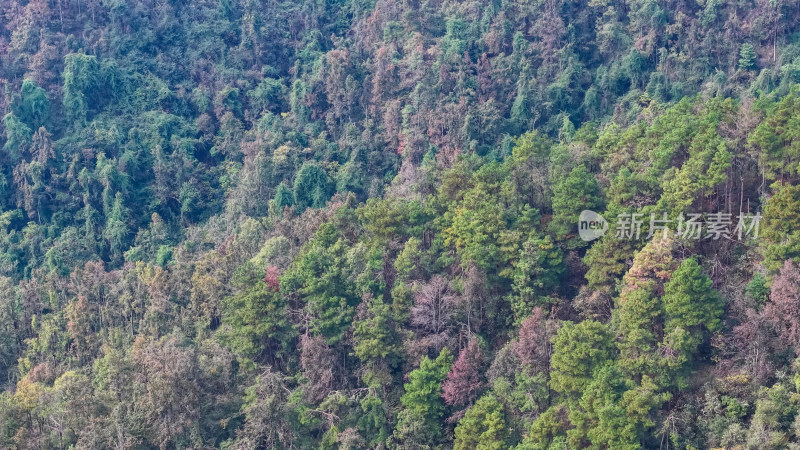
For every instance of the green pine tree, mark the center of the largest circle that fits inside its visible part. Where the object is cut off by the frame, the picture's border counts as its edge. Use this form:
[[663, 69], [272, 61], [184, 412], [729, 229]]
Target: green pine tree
[[747, 57], [419, 423], [483, 427]]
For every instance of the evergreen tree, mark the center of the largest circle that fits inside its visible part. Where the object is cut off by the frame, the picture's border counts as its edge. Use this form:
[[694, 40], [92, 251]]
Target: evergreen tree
[[537, 273], [579, 350], [420, 421], [117, 230], [483, 427], [81, 83], [377, 343], [600, 418], [777, 138], [9, 345], [321, 277], [32, 106], [255, 322], [312, 187], [18, 137], [692, 309], [639, 317], [283, 197], [747, 57], [577, 192], [781, 226]]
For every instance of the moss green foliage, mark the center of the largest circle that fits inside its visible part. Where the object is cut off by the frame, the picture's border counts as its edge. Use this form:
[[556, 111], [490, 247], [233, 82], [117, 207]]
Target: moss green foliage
[[353, 224]]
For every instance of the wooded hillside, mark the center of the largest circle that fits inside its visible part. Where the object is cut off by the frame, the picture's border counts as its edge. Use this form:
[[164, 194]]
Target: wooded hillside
[[354, 224]]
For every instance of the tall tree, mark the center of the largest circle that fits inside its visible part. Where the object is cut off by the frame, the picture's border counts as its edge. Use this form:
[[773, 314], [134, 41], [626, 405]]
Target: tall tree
[[692, 310], [464, 381], [483, 427], [255, 322], [783, 308], [312, 187], [571, 195], [419, 423]]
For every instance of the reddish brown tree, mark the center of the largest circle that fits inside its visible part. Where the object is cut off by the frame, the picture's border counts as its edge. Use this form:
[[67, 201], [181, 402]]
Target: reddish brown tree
[[318, 362], [432, 315], [783, 309], [464, 381], [748, 348], [533, 347], [272, 278]]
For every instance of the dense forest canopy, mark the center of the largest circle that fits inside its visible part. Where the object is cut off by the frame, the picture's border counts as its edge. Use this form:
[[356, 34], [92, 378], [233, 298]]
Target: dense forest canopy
[[353, 224]]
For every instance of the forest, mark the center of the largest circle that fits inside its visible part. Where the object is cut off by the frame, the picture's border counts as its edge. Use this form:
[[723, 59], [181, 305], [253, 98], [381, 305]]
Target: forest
[[354, 224]]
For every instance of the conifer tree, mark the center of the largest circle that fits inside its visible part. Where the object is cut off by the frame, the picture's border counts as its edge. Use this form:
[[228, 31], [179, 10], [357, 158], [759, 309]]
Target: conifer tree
[[692, 310], [573, 194], [32, 106], [312, 187], [464, 381], [117, 229], [420, 421], [747, 57], [483, 427]]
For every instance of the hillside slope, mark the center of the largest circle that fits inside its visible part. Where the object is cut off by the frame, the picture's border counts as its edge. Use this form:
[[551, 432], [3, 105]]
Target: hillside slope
[[353, 224]]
